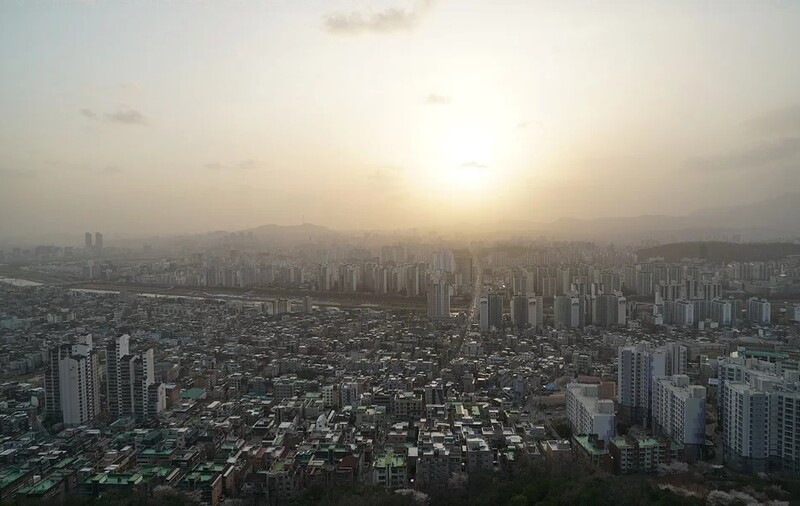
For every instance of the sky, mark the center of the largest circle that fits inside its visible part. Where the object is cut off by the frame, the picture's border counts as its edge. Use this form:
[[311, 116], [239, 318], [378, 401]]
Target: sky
[[157, 117]]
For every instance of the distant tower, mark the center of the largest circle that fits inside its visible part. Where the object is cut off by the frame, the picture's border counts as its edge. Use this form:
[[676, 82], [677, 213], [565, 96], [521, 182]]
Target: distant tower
[[491, 311], [98, 241], [438, 300], [88, 241]]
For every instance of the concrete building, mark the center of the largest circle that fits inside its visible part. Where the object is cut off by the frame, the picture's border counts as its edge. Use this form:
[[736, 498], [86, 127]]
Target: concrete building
[[491, 311], [479, 456], [589, 414], [759, 311], [438, 300], [71, 383], [637, 367], [678, 312], [129, 377], [759, 408], [569, 310], [679, 412]]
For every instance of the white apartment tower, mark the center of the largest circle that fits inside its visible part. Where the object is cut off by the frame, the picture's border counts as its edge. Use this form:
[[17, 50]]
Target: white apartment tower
[[760, 415], [758, 310], [637, 367], [71, 383], [588, 414], [438, 300], [679, 411], [132, 390]]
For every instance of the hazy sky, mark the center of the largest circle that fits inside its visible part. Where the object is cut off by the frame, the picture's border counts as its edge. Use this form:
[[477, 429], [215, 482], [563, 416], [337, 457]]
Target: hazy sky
[[176, 116]]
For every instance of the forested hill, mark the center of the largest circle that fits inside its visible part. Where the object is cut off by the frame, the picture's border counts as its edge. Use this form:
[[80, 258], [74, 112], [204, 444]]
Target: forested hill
[[720, 251]]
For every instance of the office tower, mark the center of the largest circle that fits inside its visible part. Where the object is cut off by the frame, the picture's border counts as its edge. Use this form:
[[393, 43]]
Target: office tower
[[438, 300], [637, 368], [88, 239], [491, 311], [98, 241], [679, 412], [587, 413], [758, 310], [71, 383], [130, 380]]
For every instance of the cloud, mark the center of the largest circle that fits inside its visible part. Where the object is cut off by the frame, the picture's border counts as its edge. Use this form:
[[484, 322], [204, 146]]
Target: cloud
[[779, 121], [393, 19], [244, 165], [434, 99], [124, 116], [522, 125], [756, 156], [474, 165], [388, 179], [84, 167]]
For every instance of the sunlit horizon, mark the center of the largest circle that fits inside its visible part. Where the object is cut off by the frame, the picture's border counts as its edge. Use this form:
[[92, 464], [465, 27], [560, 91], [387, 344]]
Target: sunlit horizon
[[184, 117]]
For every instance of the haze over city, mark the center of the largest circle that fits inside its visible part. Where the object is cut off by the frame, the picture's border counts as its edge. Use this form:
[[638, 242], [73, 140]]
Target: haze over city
[[182, 117]]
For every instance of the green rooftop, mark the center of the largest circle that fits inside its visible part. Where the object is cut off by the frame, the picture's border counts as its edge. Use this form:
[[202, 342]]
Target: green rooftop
[[648, 442], [42, 487], [583, 440], [621, 442], [192, 393], [763, 353], [10, 475]]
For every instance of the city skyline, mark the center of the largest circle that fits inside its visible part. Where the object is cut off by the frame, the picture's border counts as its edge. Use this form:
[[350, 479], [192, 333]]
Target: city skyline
[[402, 114]]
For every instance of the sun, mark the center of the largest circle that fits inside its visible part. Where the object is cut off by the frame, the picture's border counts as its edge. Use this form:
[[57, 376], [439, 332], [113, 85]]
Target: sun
[[468, 155]]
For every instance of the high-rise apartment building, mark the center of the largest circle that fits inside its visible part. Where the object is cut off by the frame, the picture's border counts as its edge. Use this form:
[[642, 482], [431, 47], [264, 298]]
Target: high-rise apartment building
[[569, 310], [491, 311], [637, 367], [679, 412], [679, 312], [759, 410], [130, 380], [71, 383], [527, 310], [98, 241], [758, 310], [587, 413], [438, 300], [88, 241]]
